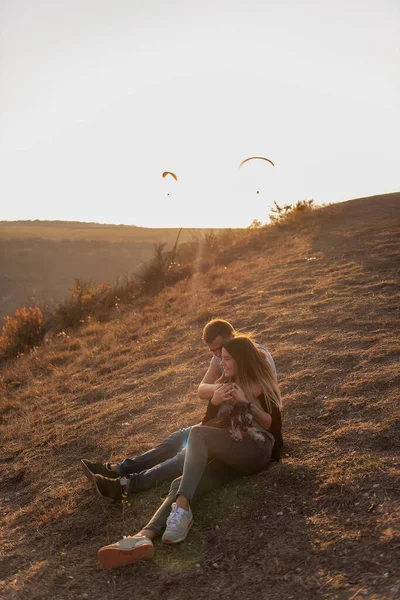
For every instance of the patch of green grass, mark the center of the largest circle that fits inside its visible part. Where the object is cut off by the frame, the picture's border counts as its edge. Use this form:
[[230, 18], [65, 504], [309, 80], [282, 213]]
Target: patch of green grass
[[178, 558]]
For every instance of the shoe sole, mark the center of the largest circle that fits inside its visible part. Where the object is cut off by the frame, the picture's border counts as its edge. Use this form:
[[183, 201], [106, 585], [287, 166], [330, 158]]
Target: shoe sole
[[87, 472], [112, 558], [90, 474], [92, 478], [105, 498], [181, 539]]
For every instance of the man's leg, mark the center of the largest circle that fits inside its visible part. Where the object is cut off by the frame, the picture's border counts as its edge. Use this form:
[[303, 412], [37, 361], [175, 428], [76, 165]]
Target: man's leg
[[137, 482], [166, 471], [161, 453]]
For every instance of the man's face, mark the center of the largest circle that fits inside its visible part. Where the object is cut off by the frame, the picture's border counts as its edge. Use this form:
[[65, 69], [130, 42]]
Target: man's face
[[216, 345]]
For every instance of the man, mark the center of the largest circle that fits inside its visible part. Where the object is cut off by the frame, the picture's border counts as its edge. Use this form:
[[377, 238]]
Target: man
[[165, 461], [213, 334]]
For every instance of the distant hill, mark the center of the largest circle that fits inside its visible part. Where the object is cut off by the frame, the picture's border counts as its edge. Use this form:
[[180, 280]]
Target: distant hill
[[42, 258], [72, 230], [64, 224]]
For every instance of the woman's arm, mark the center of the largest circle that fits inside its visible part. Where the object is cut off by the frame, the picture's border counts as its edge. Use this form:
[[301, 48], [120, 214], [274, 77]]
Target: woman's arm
[[263, 418]]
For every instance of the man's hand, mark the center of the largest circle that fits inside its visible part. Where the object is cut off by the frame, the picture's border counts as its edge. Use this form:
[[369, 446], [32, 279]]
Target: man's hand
[[223, 393]]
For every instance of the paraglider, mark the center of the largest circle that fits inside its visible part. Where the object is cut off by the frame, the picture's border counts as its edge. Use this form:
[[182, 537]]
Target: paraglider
[[169, 173], [258, 157]]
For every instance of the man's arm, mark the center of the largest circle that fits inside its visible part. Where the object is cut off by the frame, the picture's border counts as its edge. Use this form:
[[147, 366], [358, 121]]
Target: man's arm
[[269, 358], [208, 385]]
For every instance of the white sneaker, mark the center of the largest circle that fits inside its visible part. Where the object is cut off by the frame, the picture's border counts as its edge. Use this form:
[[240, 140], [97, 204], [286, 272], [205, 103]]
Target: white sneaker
[[126, 552], [178, 524]]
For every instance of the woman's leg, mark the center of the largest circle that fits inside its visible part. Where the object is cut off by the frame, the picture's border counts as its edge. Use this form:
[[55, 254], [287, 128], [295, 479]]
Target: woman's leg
[[247, 456], [159, 454], [159, 519], [216, 474]]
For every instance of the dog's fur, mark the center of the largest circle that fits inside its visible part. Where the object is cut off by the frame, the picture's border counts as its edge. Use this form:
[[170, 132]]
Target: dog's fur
[[238, 420]]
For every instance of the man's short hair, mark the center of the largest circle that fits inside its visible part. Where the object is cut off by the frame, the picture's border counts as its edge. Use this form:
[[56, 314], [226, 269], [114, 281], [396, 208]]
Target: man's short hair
[[215, 328]]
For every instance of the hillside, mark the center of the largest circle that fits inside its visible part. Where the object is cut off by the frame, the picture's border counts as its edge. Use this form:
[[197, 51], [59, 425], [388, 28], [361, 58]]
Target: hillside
[[42, 259], [323, 295]]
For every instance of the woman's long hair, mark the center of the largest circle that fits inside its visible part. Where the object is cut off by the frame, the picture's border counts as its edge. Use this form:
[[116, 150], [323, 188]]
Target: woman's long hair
[[252, 367]]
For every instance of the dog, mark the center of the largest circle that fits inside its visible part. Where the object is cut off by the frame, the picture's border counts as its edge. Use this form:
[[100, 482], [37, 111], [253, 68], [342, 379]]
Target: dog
[[238, 420]]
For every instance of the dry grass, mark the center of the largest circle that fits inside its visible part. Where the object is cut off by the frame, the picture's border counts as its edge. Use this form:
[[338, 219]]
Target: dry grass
[[323, 523]]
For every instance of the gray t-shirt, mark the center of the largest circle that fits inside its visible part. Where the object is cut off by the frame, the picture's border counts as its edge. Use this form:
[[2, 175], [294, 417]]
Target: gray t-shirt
[[217, 361]]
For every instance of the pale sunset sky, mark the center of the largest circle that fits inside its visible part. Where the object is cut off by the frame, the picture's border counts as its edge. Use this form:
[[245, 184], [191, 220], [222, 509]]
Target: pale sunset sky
[[98, 98]]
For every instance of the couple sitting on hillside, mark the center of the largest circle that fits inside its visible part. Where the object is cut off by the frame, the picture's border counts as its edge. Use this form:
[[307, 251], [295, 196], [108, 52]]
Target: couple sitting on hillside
[[199, 458]]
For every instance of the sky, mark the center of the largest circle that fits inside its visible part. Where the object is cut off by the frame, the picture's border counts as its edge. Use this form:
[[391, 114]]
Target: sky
[[98, 98]]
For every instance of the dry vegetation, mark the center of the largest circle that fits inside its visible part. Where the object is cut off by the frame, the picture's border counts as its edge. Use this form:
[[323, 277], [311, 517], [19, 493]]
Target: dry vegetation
[[42, 259], [322, 292]]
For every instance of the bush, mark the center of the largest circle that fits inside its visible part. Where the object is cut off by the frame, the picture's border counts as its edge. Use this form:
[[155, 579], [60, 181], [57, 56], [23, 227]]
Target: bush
[[25, 330], [85, 299], [290, 212], [153, 273], [256, 224]]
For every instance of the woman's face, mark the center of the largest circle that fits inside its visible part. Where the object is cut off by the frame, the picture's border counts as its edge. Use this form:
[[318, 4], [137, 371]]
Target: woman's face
[[228, 364]]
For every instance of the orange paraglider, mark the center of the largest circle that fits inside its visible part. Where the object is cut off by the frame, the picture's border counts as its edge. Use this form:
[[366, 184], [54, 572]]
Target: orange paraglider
[[169, 173]]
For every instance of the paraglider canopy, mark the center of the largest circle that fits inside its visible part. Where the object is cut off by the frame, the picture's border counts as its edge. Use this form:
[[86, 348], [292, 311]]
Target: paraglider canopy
[[257, 157], [169, 173]]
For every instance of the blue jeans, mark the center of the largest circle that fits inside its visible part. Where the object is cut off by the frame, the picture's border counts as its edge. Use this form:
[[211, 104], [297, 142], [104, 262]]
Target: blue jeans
[[162, 463]]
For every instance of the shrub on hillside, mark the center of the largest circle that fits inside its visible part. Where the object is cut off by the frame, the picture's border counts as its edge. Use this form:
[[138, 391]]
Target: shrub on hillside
[[125, 290], [256, 224], [206, 250], [25, 330], [85, 299], [290, 212], [153, 273], [166, 268]]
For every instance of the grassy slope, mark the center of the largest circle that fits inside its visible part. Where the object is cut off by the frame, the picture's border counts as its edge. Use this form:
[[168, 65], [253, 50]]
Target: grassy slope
[[324, 297]]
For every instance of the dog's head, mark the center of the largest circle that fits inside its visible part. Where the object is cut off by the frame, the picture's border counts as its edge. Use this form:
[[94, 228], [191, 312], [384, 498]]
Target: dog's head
[[240, 419], [241, 415]]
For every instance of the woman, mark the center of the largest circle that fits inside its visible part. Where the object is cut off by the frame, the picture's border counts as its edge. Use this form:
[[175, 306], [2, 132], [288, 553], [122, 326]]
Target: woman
[[247, 377]]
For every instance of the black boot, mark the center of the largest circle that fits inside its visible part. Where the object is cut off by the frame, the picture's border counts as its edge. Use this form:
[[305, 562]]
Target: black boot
[[90, 469], [111, 489]]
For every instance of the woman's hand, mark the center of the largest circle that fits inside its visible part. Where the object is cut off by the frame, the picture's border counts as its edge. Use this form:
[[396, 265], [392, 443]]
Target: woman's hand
[[238, 394], [223, 393]]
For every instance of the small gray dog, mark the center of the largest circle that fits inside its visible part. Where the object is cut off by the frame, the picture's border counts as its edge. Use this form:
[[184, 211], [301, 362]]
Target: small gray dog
[[238, 420]]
